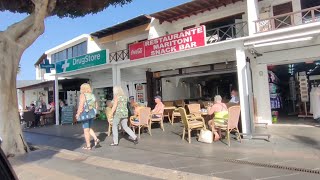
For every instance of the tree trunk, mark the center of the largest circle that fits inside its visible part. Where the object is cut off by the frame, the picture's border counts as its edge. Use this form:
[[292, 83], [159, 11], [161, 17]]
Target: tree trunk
[[13, 42], [10, 129]]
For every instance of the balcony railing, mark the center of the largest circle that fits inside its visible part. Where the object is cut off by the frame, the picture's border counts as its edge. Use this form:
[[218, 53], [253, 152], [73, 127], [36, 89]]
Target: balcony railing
[[119, 55], [227, 32], [289, 19]]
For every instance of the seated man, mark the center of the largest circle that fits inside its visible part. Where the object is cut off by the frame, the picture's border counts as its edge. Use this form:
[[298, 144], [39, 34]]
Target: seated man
[[220, 111], [159, 107], [234, 97]]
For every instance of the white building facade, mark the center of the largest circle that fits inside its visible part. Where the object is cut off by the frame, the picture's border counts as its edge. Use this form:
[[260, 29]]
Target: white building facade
[[241, 39]]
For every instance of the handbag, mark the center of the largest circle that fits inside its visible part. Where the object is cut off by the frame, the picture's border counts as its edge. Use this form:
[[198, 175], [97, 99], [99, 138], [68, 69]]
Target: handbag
[[87, 113], [205, 136]]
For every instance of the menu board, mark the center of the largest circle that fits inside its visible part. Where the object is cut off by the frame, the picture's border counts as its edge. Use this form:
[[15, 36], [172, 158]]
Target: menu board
[[67, 114]]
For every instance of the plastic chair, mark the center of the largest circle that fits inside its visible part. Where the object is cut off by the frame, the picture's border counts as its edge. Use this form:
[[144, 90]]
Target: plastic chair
[[190, 123]]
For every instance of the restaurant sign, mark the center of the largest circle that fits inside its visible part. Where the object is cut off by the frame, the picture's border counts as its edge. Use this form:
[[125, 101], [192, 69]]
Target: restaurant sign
[[81, 62], [184, 40]]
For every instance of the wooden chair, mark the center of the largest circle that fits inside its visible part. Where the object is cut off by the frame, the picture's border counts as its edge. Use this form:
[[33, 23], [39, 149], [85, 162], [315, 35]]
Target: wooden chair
[[49, 118], [144, 120], [157, 118], [194, 109], [232, 125], [176, 113], [190, 123]]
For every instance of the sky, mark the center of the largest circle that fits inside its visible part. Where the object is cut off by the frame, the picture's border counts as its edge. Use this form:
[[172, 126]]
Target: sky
[[60, 30]]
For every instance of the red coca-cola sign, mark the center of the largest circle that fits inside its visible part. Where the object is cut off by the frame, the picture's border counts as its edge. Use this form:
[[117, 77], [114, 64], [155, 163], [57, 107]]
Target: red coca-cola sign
[[136, 51], [184, 40]]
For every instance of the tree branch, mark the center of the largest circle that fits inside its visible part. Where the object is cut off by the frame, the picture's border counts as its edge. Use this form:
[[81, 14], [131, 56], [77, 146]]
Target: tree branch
[[18, 29]]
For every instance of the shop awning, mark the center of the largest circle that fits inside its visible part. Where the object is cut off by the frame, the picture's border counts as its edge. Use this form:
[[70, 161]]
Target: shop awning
[[191, 8], [134, 22]]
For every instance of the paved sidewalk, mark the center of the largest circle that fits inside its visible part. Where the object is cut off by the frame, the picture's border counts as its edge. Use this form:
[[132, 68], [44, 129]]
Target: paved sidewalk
[[294, 146]]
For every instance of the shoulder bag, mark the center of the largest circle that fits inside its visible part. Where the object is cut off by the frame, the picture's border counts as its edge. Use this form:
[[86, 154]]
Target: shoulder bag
[[87, 113]]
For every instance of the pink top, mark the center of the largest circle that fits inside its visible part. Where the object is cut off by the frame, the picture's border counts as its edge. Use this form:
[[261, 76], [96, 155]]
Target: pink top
[[217, 107], [159, 108]]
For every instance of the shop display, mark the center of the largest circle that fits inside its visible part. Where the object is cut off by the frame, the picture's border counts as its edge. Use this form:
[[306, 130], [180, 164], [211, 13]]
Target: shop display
[[304, 94], [67, 115], [72, 98], [275, 98], [141, 93]]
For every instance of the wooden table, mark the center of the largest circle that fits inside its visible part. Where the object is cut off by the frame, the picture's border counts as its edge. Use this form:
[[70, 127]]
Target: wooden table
[[167, 111]]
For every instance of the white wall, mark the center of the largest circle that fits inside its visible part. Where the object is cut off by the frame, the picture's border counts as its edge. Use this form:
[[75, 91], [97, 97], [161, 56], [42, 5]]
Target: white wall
[[174, 90], [19, 96], [122, 44], [33, 95]]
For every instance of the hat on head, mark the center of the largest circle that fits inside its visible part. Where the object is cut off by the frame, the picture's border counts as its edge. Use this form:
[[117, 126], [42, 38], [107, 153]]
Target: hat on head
[[131, 97], [157, 97]]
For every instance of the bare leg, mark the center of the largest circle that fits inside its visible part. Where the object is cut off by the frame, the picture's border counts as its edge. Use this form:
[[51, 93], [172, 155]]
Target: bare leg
[[86, 132], [93, 134], [214, 130]]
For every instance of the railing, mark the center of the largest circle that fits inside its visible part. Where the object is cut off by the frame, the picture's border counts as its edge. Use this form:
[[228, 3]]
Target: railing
[[227, 32], [289, 19], [119, 55]]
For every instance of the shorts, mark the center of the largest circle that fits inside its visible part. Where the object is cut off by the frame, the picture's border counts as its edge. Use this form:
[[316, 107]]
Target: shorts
[[87, 124]]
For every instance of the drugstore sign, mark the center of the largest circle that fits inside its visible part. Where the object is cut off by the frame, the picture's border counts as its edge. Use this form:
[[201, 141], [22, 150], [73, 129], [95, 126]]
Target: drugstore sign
[[184, 40], [81, 62]]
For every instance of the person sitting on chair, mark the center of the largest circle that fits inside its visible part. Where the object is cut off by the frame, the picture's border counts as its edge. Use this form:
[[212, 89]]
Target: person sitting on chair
[[220, 111], [234, 97], [159, 107]]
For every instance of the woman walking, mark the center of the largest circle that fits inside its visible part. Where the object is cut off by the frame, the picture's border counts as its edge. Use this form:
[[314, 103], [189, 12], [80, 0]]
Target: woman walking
[[120, 114], [87, 100]]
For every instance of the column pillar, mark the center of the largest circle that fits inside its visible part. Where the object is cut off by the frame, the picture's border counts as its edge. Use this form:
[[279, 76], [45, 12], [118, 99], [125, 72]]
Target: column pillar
[[261, 92], [118, 76], [114, 75], [56, 98], [242, 72], [253, 15]]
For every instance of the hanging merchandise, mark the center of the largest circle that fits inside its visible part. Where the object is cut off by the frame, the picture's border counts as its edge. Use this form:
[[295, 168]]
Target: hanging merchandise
[[275, 101], [315, 102], [303, 84]]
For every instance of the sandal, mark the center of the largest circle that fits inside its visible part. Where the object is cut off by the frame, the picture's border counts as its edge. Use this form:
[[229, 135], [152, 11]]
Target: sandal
[[113, 144], [135, 141], [97, 142], [86, 148]]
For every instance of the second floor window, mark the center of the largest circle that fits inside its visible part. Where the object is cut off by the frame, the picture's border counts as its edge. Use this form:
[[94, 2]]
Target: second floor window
[[74, 51]]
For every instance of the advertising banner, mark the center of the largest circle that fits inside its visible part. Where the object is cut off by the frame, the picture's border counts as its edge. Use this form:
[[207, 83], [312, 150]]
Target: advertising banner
[[184, 40]]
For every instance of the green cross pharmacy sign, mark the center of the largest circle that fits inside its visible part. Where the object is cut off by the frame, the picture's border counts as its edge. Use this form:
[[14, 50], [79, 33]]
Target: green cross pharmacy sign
[[81, 62]]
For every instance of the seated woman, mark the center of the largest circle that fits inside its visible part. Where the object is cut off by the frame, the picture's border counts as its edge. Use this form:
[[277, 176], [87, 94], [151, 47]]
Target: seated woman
[[220, 111], [136, 111]]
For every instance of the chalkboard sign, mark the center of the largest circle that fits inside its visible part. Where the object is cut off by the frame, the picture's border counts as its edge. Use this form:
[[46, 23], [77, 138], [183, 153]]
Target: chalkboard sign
[[67, 114]]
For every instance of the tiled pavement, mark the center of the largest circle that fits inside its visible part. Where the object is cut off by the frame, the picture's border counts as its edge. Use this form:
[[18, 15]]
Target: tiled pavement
[[294, 146]]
